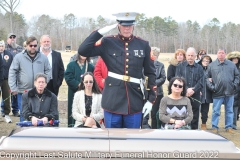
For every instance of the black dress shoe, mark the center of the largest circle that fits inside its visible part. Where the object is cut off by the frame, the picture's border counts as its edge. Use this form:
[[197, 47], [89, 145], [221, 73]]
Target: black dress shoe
[[16, 114], [3, 114]]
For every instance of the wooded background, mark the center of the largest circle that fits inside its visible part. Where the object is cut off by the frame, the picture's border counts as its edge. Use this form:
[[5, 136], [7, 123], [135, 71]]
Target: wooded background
[[165, 33]]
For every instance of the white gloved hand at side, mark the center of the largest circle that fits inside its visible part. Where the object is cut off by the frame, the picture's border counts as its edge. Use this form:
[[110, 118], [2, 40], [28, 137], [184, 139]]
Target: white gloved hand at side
[[147, 108], [106, 29]]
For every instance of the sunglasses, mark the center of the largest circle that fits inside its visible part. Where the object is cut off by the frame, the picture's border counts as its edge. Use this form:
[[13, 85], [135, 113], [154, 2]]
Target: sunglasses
[[35, 45], [88, 82], [12, 37], [178, 85]]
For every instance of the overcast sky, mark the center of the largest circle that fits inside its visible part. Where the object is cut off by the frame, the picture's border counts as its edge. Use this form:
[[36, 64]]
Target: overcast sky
[[201, 11]]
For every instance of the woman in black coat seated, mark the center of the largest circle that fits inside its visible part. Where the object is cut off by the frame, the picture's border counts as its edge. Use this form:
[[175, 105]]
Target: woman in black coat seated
[[39, 104]]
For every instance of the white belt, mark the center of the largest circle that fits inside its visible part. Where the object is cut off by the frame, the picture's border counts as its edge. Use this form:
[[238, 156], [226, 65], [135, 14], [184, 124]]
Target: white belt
[[128, 79], [124, 77]]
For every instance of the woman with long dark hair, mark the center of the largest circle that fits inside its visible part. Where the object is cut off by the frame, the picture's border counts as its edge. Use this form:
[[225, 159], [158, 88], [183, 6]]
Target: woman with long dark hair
[[87, 110]]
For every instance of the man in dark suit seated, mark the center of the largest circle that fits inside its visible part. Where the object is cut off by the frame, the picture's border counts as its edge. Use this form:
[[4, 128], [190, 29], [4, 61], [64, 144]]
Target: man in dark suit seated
[[56, 63]]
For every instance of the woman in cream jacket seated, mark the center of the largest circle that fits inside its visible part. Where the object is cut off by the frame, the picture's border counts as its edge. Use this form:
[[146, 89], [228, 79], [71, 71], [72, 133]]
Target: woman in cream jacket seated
[[86, 109]]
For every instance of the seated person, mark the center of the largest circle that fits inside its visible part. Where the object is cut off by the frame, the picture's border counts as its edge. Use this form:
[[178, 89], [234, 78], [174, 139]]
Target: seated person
[[175, 110], [86, 108], [40, 104]]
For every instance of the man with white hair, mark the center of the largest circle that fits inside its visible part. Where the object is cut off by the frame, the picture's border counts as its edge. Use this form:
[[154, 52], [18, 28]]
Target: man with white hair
[[125, 56], [55, 61], [193, 74], [7, 59]]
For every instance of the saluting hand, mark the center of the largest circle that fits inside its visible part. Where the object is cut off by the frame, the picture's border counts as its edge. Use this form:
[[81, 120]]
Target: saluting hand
[[106, 29]]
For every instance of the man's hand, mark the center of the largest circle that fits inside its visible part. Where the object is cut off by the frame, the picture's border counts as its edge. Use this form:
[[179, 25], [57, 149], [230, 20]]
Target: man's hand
[[106, 29], [190, 92], [147, 108], [34, 120], [45, 120], [14, 93]]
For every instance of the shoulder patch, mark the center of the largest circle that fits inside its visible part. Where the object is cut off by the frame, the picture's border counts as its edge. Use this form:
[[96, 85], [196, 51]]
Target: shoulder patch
[[151, 55], [98, 43]]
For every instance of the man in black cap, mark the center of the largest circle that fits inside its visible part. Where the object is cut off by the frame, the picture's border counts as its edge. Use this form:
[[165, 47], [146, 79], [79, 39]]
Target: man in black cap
[[12, 46], [14, 49], [125, 56]]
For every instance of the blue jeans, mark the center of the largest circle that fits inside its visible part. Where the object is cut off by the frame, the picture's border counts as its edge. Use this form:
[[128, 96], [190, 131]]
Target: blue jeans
[[19, 100], [112, 120], [15, 107], [228, 104]]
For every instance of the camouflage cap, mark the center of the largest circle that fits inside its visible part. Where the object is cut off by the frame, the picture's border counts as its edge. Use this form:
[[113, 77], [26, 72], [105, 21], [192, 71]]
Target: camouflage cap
[[11, 34]]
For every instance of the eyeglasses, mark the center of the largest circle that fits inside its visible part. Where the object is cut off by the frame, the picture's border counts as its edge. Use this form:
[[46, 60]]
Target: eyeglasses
[[35, 45], [178, 85], [88, 82], [12, 37]]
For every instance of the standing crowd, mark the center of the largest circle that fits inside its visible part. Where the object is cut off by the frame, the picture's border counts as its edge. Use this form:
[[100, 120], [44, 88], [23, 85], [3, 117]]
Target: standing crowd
[[124, 88]]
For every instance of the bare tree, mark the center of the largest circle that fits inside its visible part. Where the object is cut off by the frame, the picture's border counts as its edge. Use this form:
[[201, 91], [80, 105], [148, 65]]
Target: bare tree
[[9, 6]]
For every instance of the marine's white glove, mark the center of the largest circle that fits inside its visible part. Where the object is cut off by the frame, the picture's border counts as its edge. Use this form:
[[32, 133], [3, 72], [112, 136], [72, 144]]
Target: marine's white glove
[[147, 108], [106, 29]]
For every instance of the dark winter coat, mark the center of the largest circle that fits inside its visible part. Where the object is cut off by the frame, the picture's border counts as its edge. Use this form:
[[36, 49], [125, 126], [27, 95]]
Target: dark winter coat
[[6, 61], [230, 56], [46, 106], [206, 93], [160, 76], [171, 71], [225, 78]]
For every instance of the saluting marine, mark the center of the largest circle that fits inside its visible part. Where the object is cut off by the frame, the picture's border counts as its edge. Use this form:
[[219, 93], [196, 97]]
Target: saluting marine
[[125, 56]]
